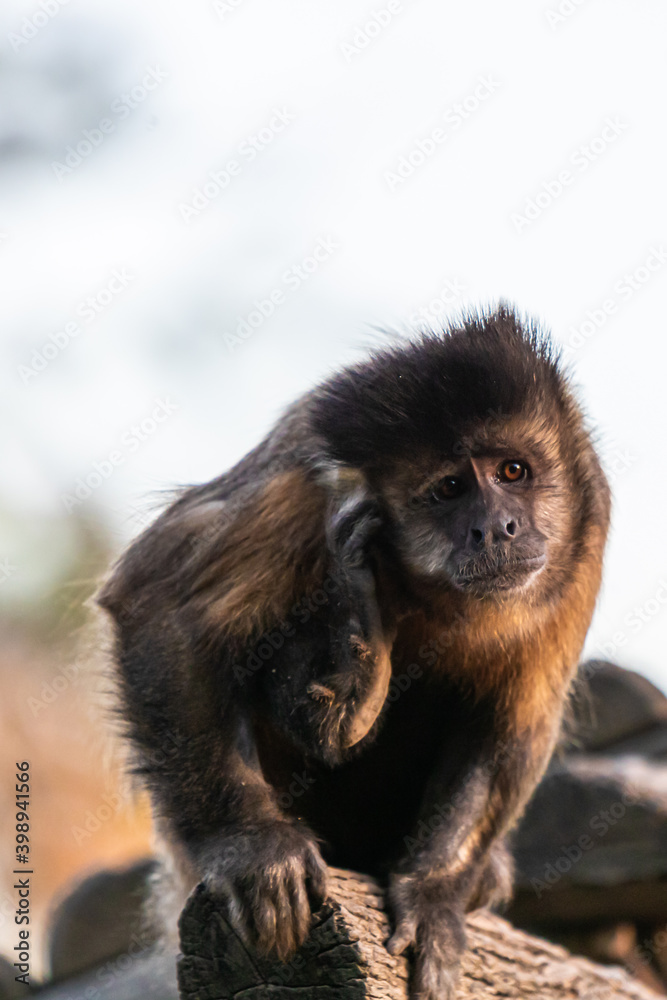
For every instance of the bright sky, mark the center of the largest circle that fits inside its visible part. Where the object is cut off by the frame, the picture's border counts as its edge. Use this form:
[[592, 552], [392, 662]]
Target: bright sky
[[168, 171]]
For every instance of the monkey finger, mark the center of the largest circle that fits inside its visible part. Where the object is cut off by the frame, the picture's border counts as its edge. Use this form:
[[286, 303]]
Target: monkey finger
[[403, 937], [286, 937], [316, 880], [321, 693], [354, 524], [300, 908], [367, 523], [265, 920]]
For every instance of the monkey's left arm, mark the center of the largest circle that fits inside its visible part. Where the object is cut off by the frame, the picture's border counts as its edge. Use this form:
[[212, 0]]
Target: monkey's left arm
[[457, 860], [328, 683]]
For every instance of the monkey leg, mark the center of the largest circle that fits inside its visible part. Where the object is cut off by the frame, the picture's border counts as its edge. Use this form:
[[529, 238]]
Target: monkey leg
[[462, 863]]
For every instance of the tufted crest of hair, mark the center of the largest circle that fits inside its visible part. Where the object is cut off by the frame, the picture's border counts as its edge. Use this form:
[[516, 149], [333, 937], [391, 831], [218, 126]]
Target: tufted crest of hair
[[430, 390]]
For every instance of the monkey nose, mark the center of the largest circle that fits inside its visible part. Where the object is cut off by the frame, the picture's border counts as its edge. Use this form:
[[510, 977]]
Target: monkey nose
[[500, 531], [477, 536]]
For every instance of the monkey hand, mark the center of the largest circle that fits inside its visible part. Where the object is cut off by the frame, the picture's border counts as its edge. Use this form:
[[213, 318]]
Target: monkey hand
[[269, 880], [429, 918], [350, 531]]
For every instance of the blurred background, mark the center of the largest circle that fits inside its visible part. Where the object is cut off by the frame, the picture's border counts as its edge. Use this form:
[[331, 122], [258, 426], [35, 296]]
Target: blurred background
[[206, 208]]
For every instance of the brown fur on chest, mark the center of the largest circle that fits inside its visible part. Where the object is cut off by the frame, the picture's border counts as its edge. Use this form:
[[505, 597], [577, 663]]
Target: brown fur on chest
[[520, 655]]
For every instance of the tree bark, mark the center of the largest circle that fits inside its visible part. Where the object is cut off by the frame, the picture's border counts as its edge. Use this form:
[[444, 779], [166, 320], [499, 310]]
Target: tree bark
[[344, 958]]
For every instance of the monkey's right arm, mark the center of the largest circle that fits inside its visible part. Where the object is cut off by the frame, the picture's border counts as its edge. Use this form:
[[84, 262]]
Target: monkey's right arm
[[188, 600]]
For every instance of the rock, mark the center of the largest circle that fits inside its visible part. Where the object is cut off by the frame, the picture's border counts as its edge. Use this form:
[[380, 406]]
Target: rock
[[619, 711], [9, 988], [147, 976], [101, 919], [593, 844]]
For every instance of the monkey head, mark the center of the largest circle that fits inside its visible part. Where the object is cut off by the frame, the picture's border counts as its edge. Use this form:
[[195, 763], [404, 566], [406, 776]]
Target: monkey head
[[477, 452]]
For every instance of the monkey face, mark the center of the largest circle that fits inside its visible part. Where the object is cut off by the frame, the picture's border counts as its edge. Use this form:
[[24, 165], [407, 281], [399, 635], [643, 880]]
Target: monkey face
[[486, 511], [486, 523]]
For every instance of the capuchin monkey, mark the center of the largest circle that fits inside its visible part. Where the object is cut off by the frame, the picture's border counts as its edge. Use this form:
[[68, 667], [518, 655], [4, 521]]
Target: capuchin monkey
[[355, 647]]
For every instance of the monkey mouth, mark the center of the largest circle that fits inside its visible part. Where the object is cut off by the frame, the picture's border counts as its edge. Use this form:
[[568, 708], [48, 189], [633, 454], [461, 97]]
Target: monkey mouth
[[483, 575]]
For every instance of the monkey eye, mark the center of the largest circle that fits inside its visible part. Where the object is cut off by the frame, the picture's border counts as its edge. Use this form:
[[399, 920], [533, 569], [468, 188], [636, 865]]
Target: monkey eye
[[512, 471], [449, 488]]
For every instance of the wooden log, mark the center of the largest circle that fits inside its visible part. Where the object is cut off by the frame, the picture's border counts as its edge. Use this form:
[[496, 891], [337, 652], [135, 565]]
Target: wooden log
[[344, 958]]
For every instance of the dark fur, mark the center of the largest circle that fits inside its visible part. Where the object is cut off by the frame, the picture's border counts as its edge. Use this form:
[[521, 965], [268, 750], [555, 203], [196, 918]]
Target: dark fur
[[258, 619]]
